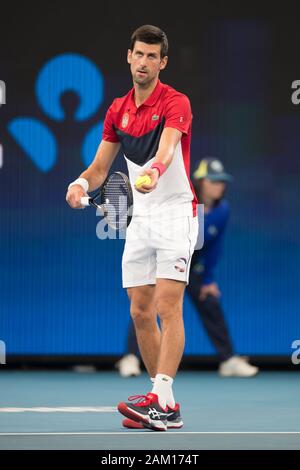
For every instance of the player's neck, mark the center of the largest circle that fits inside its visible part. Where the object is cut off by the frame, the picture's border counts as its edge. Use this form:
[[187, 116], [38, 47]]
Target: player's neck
[[141, 94]]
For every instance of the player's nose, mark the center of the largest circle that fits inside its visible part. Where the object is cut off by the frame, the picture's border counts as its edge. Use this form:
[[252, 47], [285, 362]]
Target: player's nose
[[142, 62]]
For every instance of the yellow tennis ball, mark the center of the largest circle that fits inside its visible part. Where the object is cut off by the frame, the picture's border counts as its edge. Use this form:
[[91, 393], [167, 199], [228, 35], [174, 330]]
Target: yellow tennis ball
[[141, 180]]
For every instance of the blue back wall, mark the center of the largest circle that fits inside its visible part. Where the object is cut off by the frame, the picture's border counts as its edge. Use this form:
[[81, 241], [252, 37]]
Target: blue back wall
[[60, 285]]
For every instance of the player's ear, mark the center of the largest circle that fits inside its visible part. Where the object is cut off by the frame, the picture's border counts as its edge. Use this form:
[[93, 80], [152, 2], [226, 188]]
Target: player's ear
[[129, 55], [163, 63]]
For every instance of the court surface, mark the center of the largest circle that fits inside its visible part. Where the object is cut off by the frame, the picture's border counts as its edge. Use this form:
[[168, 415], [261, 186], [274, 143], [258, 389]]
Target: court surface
[[69, 410]]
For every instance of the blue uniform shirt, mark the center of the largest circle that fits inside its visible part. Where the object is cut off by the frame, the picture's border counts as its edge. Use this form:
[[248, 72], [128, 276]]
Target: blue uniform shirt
[[206, 259]]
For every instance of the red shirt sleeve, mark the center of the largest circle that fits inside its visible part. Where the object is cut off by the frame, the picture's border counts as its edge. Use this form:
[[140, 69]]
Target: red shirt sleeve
[[109, 134], [179, 113]]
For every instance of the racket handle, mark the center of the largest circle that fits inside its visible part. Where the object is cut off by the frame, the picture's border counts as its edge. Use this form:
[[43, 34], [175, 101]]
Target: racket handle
[[85, 201]]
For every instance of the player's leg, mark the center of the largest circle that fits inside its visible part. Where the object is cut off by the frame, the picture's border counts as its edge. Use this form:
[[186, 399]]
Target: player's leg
[[173, 250], [169, 303], [146, 409], [138, 274], [174, 253], [158, 409], [143, 307], [144, 316]]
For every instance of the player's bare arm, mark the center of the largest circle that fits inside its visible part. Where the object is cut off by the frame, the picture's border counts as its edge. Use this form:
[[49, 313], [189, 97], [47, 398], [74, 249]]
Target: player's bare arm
[[167, 145], [95, 174]]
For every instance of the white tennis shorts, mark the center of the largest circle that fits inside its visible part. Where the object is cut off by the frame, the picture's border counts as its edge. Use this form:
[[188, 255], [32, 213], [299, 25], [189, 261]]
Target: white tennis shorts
[[159, 248]]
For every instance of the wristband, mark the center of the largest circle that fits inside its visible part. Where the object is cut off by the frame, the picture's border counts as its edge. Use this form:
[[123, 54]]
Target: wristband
[[160, 167], [82, 182]]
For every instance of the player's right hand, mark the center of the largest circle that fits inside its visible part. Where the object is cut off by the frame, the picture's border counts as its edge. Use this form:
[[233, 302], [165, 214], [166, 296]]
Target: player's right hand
[[74, 195]]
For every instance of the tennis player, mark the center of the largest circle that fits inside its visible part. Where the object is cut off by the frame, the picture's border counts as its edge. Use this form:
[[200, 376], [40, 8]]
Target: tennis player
[[152, 125], [210, 183]]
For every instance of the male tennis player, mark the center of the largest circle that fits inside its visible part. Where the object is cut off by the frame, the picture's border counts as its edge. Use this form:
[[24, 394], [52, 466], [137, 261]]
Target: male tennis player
[[210, 182], [152, 125]]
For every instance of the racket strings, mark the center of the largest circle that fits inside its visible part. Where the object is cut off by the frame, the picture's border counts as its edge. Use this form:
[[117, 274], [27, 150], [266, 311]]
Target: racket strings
[[116, 199]]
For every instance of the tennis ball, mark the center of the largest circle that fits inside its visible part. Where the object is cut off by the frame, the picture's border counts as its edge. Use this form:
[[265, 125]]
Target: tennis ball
[[141, 180]]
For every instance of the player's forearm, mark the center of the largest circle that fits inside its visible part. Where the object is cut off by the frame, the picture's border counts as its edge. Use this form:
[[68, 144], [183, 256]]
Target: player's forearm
[[163, 158], [94, 176], [98, 170], [168, 143], [165, 155]]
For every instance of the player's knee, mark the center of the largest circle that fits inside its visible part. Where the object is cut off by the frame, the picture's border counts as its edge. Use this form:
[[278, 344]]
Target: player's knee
[[167, 308], [141, 316]]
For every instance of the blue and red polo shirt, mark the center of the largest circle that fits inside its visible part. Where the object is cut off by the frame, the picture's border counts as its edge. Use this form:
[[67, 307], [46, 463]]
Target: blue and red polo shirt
[[139, 130]]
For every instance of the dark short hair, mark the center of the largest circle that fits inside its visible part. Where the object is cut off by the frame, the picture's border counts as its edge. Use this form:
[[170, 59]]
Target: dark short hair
[[151, 35]]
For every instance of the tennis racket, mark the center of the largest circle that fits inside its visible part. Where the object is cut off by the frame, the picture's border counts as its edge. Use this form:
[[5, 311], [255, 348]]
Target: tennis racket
[[115, 200]]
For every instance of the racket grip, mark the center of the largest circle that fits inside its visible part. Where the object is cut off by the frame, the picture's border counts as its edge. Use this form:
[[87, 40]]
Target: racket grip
[[85, 201]]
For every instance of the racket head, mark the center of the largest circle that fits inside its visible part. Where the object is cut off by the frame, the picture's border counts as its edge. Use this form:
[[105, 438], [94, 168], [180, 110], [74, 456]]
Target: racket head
[[117, 199]]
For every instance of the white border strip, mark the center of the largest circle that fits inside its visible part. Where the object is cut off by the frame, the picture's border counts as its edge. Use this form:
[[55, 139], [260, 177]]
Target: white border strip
[[126, 433]]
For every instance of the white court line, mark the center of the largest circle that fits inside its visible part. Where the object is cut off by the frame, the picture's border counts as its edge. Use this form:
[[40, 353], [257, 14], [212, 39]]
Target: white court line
[[62, 409], [140, 432]]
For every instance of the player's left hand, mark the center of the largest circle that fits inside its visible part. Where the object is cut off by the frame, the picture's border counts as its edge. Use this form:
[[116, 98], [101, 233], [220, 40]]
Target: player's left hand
[[153, 173]]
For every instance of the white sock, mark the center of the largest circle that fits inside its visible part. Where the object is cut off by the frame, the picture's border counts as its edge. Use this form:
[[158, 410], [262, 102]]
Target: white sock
[[162, 387]]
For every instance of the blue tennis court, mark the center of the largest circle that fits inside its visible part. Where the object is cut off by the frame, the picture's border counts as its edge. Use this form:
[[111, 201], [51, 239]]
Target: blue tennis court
[[68, 410]]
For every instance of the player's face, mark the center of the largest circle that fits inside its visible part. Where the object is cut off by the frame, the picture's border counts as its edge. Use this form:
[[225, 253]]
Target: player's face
[[145, 62], [213, 189]]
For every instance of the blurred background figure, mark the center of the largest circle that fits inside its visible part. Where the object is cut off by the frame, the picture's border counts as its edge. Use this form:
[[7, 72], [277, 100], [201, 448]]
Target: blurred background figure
[[130, 364], [210, 180]]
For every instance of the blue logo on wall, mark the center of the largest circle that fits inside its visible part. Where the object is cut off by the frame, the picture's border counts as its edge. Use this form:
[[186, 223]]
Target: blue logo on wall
[[66, 72]]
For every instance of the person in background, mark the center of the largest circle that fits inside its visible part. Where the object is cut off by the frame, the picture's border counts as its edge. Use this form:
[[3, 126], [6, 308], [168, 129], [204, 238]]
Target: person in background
[[210, 180]]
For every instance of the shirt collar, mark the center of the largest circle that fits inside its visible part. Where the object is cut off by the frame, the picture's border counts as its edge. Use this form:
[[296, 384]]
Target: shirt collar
[[151, 100]]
